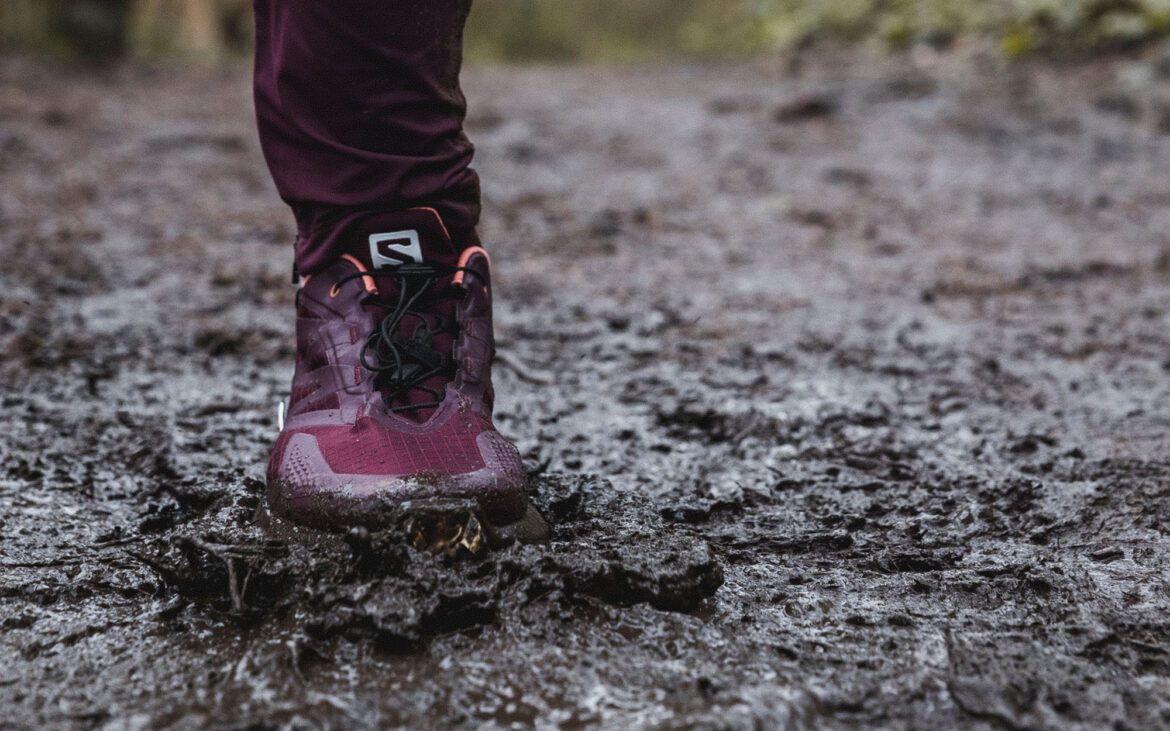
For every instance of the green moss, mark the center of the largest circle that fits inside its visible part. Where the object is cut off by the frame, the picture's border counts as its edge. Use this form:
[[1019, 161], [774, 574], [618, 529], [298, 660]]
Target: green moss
[[601, 29], [1017, 43], [85, 28]]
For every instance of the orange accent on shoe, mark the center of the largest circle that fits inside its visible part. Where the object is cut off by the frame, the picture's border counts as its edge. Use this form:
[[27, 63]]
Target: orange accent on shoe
[[368, 281], [466, 257], [439, 219]]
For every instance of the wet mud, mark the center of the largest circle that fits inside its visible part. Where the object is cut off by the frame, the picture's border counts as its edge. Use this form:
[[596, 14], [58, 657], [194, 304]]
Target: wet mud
[[841, 384]]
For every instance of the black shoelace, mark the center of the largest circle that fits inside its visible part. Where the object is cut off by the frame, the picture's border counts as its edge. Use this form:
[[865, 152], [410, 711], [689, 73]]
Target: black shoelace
[[403, 363]]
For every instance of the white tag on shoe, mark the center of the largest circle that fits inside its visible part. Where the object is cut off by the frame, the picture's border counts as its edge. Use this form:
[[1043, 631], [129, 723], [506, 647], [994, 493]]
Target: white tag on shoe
[[395, 248]]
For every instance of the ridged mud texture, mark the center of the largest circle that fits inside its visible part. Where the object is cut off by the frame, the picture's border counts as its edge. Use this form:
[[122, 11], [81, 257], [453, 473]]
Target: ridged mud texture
[[843, 387], [436, 568]]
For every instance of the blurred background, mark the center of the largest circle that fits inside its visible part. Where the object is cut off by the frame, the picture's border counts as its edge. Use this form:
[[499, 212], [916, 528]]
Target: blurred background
[[611, 30]]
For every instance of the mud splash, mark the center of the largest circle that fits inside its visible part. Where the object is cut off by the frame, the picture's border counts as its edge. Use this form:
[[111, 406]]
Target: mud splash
[[239, 564]]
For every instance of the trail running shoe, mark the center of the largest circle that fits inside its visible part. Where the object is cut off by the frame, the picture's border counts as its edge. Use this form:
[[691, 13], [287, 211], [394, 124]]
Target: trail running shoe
[[392, 398]]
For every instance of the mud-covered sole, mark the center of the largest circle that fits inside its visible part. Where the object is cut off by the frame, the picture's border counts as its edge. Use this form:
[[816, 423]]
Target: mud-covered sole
[[339, 507], [437, 524]]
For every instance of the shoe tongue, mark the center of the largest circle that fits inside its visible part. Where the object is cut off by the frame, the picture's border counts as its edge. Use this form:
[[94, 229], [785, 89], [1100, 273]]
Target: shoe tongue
[[391, 239]]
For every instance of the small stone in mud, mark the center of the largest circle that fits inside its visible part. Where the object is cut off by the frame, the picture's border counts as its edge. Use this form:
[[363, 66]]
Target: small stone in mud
[[1108, 553]]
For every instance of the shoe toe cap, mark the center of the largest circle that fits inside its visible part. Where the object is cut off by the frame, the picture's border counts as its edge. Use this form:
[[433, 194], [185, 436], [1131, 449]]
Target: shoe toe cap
[[303, 487]]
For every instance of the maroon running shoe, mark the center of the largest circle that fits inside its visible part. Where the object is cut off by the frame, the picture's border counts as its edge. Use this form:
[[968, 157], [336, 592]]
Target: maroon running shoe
[[392, 398]]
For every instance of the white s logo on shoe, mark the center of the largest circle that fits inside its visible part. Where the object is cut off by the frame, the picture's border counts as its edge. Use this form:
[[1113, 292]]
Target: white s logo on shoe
[[394, 248]]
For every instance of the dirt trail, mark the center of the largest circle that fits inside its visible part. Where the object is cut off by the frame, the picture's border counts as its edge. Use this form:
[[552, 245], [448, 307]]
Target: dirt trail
[[843, 387]]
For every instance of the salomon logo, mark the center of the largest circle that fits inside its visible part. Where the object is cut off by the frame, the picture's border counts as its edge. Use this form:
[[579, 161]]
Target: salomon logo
[[392, 249]]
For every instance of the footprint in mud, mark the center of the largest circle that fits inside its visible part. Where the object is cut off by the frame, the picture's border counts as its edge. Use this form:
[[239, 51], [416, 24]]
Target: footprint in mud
[[605, 545]]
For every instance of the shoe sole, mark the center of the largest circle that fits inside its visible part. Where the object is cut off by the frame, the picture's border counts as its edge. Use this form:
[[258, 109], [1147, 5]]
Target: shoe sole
[[439, 524]]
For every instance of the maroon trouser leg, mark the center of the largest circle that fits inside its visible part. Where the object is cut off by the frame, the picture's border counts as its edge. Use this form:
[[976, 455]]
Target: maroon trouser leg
[[360, 111]]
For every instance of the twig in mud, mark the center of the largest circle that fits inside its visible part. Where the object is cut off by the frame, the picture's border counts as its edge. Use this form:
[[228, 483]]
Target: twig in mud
[[294, 647], [233, 587], [233, 581], [244, 584]]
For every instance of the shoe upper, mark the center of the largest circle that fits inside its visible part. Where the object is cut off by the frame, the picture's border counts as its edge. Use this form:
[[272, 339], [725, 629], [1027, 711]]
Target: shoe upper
[[391, 398]]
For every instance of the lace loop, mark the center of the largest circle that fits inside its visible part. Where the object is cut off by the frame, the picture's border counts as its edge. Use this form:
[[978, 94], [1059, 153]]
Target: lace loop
[[403, 362]]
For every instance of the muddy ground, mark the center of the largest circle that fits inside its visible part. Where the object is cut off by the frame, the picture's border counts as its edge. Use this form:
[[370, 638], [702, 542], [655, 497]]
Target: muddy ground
[[843, 383]]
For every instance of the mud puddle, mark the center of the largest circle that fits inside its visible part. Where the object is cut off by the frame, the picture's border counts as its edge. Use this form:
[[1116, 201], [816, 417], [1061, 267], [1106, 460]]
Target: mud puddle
[[842, 385]]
